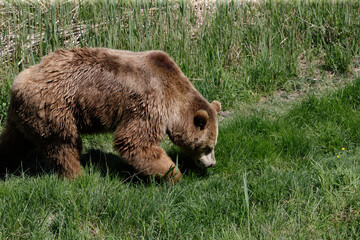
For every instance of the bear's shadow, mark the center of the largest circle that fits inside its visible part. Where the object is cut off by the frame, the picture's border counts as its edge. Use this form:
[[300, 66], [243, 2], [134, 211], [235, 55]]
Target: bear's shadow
[[107, 164]]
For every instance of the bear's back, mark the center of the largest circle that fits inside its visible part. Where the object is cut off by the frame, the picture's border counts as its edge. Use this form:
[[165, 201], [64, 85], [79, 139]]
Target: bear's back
[[101, 86]]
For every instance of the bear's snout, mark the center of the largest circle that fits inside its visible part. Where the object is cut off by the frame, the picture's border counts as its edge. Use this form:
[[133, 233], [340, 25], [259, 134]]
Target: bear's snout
[[206, 161]]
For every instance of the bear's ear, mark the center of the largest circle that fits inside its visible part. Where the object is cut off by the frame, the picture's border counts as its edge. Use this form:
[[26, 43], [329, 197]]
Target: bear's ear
[[216, 105], [201, 118]]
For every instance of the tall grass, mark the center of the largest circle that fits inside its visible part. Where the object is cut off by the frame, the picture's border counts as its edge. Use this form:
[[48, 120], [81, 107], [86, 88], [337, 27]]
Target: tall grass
[[231, 50]]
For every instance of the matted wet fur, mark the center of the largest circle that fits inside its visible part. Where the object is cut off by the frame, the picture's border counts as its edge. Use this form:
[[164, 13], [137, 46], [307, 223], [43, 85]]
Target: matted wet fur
[[140, 96]]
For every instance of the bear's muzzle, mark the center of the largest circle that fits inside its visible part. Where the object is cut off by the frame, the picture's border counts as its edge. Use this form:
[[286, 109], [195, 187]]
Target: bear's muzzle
[[206, 161]]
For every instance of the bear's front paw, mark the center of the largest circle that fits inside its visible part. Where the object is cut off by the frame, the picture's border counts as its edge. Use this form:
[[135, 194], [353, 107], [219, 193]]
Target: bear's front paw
[[173, 175]]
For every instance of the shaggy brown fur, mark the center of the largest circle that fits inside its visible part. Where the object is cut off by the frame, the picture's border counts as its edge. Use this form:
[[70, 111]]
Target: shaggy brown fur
[[141, 96]]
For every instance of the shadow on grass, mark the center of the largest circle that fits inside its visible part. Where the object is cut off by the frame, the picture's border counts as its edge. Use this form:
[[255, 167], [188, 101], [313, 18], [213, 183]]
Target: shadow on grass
[[107, 164]]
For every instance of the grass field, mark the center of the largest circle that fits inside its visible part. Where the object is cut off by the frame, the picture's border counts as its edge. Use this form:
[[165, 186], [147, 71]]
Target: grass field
[[287, 74]]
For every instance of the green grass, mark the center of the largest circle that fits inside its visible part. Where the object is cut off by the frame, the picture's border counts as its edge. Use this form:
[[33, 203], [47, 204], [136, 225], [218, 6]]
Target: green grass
[[286, 71], [296, 186]]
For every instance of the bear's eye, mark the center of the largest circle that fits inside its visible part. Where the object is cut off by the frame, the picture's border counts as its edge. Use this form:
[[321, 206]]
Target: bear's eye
[[208, 150]]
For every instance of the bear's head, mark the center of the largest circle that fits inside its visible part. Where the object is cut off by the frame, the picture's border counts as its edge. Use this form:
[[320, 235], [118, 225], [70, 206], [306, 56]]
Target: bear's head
[[197, 135], [206, 127]]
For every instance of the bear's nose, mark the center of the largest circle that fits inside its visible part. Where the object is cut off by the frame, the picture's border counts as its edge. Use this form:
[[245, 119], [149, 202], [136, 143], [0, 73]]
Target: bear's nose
[[213, 165]]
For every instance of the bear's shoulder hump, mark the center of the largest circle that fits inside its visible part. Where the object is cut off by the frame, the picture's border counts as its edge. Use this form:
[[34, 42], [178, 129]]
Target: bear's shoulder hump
[[163, 61]]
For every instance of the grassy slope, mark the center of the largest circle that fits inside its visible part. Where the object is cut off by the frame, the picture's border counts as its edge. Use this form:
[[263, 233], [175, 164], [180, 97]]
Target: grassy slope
[[278, 174]]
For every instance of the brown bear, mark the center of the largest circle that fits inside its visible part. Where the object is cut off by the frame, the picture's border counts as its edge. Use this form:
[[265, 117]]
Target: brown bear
[[139, 95]]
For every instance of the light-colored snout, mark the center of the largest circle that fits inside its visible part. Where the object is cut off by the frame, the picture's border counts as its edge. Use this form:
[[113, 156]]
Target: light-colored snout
[[206, 161]]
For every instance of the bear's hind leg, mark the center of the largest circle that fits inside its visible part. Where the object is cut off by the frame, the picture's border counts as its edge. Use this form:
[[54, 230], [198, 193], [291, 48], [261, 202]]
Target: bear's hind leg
[[14, 148], [64, 158]]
